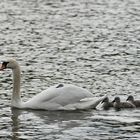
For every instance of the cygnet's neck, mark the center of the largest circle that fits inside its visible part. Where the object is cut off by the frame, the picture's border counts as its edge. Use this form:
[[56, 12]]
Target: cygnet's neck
[[16, 98]]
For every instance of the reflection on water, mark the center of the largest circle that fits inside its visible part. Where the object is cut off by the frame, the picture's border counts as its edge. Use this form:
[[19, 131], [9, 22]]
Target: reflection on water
[[92, 44], [54, 122], [15, 124], [73, 125]]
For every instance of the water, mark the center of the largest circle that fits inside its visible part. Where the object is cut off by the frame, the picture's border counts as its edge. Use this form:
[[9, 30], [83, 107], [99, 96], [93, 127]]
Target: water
[[89, 43]]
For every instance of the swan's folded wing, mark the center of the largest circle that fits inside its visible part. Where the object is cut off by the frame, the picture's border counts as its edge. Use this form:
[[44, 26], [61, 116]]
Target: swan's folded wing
[[86, 103], [92, 98]]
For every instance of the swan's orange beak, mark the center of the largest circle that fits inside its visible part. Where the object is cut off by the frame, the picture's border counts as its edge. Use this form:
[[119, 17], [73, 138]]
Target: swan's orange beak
[[2, 67]]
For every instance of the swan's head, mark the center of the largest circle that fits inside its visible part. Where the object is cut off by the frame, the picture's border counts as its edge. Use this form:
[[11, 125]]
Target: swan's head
[[10, 63]]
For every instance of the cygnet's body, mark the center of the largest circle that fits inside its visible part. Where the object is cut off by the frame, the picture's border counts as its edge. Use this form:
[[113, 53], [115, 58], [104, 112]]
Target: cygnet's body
[[117, 104], [106, 103], [131, 100]]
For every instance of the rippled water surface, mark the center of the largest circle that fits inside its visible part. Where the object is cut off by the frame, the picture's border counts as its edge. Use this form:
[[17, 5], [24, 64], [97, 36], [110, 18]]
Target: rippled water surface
[[94, 44]]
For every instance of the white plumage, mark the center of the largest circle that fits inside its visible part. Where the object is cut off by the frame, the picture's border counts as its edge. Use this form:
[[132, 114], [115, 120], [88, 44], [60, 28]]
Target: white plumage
[[58, 97]]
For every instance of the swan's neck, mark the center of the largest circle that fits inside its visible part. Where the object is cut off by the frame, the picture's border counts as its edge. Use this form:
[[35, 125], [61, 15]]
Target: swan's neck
[[16, 98]]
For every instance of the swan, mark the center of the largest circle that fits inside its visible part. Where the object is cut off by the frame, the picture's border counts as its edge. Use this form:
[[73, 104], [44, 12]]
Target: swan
[[57, 97]]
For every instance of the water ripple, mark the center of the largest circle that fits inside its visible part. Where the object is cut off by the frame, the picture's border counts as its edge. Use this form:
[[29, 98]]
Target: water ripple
[[89, 43]]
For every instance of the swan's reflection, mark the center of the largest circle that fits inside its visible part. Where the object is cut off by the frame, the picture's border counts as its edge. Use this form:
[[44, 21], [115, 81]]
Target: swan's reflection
[[15, 123], [20, 119]]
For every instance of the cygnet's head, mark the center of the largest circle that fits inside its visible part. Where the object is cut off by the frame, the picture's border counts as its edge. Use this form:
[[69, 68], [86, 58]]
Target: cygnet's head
[[105, 100], [130, 98], [117, 100]]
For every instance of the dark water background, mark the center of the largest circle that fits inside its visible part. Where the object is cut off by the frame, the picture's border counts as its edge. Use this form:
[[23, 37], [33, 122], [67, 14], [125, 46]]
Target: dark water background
[[94, 44]]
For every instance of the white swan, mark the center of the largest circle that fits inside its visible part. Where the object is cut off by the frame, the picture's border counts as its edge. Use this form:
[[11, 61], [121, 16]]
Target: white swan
[[59, 97]]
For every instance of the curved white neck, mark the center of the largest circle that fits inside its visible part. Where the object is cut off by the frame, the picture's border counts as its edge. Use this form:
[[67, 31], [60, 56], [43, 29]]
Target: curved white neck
[[16, 98]]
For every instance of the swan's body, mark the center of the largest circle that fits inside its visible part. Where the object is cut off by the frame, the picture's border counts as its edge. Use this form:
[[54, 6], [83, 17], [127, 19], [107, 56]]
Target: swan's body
[[68, 97], [59, 97]]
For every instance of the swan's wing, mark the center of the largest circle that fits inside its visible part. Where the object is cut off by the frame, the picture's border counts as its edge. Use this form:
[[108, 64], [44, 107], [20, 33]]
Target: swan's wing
[[41, 98], [92, 98], [87, 103], [70, 94]]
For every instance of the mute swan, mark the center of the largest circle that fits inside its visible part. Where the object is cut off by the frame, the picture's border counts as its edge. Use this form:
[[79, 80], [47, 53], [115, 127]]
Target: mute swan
[[58, 97]]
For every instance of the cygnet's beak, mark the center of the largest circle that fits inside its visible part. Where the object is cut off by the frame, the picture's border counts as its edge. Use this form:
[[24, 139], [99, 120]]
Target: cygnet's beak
[[113, 101]]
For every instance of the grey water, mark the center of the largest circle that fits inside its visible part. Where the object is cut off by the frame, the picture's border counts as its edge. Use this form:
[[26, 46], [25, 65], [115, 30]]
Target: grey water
[[94, 44]]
